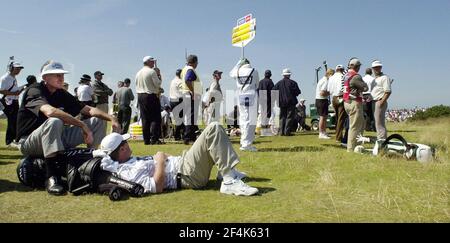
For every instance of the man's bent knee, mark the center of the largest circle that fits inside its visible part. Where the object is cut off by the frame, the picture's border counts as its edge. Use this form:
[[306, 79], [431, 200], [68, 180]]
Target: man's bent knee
[[53, 124]]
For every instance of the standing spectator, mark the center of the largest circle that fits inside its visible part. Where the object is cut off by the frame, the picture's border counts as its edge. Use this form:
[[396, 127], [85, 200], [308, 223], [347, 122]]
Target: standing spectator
[[368, 101], [215, 98], [247, 81], [148, 86], [322, 103], [301, 115], [48, 123], [192, 93], [11, 91], [124, 97], [381, 93], [336, 89], [354, 87], [288, 92], [101, 94], [266, 103], [115, 102], [176, 98], [85, 91], [163, 100]]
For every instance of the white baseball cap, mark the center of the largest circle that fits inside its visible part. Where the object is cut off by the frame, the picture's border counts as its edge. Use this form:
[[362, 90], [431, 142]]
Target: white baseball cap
[[112, 142], [53, 68], [286, 71], [377, 64], [16, 65], [148, 58], [339, 67]]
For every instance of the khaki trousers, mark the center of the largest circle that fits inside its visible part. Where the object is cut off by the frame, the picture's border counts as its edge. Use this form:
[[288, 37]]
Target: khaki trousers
[[355, 112], [213, 147], [340, 117]]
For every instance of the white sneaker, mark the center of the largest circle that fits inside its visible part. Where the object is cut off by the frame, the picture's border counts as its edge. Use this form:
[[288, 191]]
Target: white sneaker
[[237, 175], [249, 149], [14, 145], [238, 188], [324, 136], [266, 132]]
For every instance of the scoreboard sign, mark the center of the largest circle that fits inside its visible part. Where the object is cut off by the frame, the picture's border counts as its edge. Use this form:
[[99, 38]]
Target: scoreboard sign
[[244, 32]]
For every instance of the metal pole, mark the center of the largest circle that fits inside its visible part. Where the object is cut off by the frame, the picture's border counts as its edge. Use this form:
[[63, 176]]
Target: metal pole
[[243, 51]]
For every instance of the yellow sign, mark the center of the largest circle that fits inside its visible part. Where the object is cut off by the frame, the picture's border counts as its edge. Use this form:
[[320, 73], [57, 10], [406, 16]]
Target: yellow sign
[[245, 32]]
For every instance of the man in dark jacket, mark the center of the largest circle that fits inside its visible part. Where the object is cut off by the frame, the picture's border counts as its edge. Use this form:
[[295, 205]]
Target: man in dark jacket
[[265, 102], [288, 91]]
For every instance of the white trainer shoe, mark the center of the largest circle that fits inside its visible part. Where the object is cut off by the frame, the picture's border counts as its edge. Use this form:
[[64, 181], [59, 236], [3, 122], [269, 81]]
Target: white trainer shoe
[[324, 136], [238, 188], [249, 149]]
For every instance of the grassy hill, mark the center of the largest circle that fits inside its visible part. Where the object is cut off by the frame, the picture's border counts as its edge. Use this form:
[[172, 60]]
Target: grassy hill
[[301, 179]]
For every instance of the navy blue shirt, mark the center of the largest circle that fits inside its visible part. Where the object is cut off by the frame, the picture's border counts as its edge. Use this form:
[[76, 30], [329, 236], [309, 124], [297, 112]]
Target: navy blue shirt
[[30, 117]]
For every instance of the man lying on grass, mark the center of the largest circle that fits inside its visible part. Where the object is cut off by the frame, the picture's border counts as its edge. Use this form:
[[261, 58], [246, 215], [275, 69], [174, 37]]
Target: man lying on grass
[[190, 170]]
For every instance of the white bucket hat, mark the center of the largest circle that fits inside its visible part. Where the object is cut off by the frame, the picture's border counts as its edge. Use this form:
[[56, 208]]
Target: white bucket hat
[[53, 68], [377, 64], [112, 142], [286, 71]]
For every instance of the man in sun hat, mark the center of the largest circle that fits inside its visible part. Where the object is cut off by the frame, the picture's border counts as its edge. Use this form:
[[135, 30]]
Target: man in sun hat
[[148, 89], [380, 93], [288, 91], [190, 170], [48, 123], [10, 90]]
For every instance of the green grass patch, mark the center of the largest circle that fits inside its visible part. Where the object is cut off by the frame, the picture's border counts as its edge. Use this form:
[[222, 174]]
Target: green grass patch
[[302, 179]]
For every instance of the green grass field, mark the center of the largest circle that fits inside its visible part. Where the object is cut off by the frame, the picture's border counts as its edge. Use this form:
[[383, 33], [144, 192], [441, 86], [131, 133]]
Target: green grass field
[[301, 179]]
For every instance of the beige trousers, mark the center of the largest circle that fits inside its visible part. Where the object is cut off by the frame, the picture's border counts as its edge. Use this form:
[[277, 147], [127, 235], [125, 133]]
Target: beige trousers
[[355, 112], [213, 147]]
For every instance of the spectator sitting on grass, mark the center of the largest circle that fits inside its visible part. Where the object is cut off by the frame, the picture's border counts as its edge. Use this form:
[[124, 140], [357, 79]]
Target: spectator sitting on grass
[[190, 170]]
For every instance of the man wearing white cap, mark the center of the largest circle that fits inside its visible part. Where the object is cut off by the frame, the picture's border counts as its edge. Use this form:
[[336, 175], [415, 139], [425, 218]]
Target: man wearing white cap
[[381, 93], [190, 170], [48, 125], [247, 82], [354, 86], [288, 91], [148, 88], [336, 89], [11, 91]]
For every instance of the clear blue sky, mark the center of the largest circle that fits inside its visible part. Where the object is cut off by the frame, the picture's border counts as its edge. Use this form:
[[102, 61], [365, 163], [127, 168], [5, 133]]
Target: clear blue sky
[[411, 38]]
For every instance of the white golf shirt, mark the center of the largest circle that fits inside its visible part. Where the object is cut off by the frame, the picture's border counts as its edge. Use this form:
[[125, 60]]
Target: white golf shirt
[[8, 81], [335, 84], [382, 86], [140, 170], [85, 92]]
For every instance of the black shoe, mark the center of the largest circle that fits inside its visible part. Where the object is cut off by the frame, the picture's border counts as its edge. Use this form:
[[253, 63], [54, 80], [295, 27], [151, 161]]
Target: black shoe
[[53, 187], [157, 142], [186, 142]]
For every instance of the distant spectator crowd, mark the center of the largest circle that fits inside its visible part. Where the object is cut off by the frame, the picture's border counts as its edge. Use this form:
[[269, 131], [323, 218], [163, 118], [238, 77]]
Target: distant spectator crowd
[[401, 115]]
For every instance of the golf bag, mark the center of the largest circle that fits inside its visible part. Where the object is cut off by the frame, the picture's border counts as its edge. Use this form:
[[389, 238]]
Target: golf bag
[[81, 173], [410, 151]]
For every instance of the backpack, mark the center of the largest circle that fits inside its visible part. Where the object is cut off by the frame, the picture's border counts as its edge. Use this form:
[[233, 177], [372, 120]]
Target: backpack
[[81, 174], [411, 151]]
